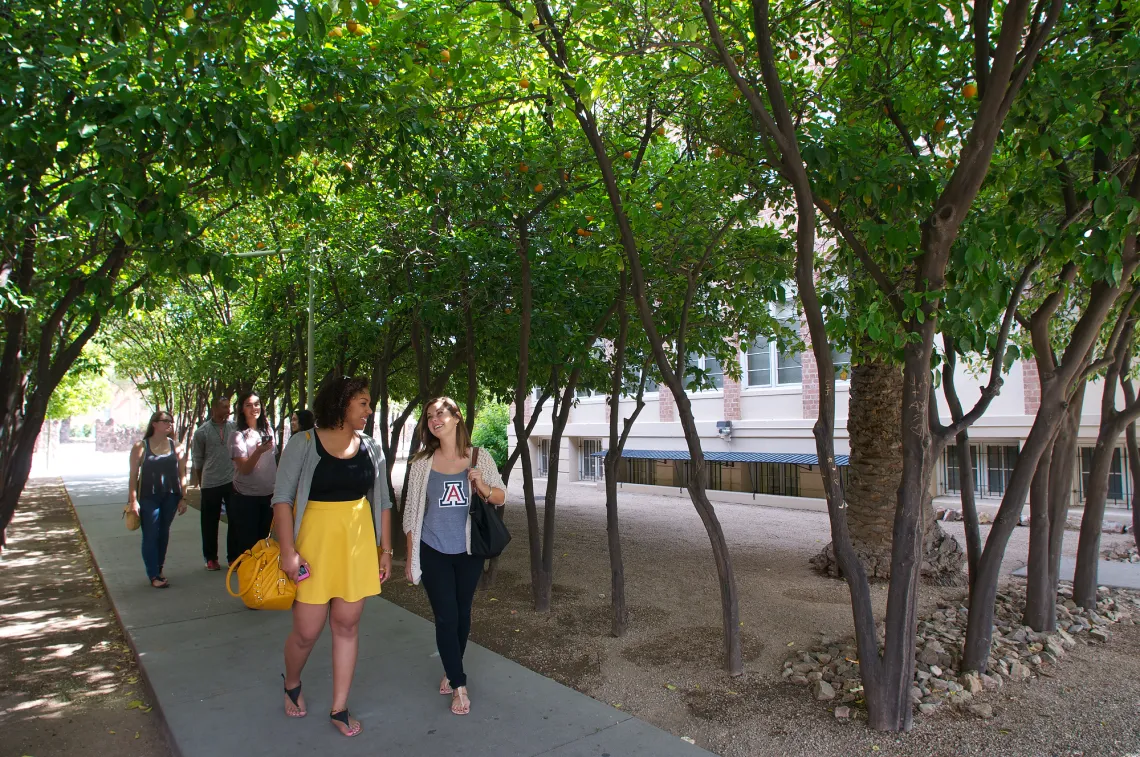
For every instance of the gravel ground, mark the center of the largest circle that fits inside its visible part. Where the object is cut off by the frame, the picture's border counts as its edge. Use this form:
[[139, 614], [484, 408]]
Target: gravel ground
[[667, 669], [69, 684]]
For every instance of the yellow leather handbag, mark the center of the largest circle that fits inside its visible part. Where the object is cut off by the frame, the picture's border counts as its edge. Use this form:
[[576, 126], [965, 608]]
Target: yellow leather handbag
[[262, 585]]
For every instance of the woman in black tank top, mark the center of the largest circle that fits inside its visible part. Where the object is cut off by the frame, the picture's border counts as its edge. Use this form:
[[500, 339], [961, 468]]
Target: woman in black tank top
[[154, 491]]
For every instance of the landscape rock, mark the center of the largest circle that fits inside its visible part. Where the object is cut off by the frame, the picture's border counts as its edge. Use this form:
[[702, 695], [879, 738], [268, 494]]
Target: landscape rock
[[823, 691], [842, 713], [983, 711]]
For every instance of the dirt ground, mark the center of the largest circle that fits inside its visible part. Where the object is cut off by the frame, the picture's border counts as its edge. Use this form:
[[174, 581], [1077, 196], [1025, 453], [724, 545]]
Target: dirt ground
[[667, 669], [70, 685]]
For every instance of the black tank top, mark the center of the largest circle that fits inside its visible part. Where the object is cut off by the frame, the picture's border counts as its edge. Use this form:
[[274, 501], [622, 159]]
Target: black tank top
[[339, 480], [159, 473]]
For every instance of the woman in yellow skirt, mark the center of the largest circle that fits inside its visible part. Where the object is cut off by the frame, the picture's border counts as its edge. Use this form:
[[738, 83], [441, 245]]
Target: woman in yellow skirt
[[332, 514]]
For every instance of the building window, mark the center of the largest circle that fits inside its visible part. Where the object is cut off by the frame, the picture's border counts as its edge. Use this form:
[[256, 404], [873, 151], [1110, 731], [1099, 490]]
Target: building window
[[842, 362], [993, 466], [639, 471], [591, 466], [712, 373], [583, 393], [1000, 460], [1119, 485], [952, 476], [766, 361], [543, 457], [775, 478], [759, 363]]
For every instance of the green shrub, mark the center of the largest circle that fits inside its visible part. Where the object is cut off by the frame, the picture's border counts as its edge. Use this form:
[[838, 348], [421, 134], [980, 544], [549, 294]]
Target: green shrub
[[491, 431]]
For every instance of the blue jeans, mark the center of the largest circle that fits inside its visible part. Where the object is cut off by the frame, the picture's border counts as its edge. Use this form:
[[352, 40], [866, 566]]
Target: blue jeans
[[156, 512]]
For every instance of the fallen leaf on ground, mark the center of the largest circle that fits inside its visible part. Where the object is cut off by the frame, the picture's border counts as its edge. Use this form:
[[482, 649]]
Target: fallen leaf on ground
[[134, 705], [688, 739], [671, 687]]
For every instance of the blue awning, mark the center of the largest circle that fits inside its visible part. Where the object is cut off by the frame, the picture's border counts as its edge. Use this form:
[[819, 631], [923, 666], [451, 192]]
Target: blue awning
[[783, 458]]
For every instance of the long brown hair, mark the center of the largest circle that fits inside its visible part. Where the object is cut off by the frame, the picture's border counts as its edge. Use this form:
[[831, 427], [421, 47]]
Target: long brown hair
[[429, 441], [154, 417]]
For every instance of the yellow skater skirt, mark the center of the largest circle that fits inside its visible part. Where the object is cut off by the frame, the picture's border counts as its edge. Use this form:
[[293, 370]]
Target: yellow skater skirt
[[338, 541]]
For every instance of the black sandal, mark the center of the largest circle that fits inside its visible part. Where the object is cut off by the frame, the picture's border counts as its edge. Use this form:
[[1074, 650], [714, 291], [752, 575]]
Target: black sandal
[[294, 695], [343, 717]]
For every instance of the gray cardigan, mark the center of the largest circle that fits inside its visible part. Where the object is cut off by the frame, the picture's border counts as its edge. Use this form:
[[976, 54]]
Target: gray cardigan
[[295, 476]]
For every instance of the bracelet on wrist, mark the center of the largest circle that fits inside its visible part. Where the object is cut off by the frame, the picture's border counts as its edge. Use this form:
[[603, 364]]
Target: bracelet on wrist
[[387, 551]]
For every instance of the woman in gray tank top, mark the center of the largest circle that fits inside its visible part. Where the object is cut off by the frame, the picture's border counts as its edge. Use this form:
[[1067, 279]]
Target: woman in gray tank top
[[154, 491]]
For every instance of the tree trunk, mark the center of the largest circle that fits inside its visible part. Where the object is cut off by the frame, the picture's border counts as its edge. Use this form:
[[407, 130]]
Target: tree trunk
[[1133, 449], [1047, 520], [1039, 614], [874, 425]]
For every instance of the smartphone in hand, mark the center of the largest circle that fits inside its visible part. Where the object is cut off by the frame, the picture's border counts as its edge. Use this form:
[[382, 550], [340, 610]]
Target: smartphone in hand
[[302, 574]]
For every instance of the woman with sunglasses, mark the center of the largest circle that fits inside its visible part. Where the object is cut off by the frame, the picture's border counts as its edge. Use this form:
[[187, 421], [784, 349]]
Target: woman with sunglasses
[[154, 491]]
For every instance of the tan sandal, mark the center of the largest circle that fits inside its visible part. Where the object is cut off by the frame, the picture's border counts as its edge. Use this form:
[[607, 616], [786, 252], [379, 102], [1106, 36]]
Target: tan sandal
[[445, 687], [460, 703]]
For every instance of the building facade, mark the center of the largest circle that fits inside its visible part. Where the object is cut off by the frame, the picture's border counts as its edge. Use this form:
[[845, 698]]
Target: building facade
[[756, 434]]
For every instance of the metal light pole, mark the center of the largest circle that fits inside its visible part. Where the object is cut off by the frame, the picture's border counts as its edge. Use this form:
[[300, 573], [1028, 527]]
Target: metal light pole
[[309, 344], [309, 340]]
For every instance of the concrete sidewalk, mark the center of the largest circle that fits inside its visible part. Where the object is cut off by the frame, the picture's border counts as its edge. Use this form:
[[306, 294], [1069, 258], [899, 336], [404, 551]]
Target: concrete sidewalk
[[1118, 575], [215, 669]]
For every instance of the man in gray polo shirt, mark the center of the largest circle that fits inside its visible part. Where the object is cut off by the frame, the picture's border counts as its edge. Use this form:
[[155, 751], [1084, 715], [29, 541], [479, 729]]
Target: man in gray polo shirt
[[213, 473]]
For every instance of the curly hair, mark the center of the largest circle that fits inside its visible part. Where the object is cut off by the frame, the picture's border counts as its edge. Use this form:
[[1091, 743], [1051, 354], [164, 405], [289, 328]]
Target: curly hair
[[332, 399]]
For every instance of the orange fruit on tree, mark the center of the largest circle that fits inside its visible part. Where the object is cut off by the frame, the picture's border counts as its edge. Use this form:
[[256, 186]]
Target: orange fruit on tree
[[538, 187], [589, 218], [970, 91], [187, 14], [940, 126], [658, 205], [584, 233], [524, 83], [308, 107], [347, 165], [660, 131], [565, 176], [717, 152], [339, 98], [794, 54], [627, 154], [445, 55], [336, 31], [523, 168], [261, 245]]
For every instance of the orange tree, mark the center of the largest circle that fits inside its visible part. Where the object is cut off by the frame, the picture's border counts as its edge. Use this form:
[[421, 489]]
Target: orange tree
[[127, 130]]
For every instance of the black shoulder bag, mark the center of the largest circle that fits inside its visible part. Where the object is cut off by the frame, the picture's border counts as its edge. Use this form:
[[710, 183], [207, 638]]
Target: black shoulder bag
[[489, 535]]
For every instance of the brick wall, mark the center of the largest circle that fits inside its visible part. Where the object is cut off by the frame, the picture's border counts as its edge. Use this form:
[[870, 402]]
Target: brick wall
[[810, 395], [1031, 380], [666, 405], [731, 399]]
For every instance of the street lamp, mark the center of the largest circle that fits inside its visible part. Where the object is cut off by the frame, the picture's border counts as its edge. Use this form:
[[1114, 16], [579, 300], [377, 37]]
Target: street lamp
[[309, 341]]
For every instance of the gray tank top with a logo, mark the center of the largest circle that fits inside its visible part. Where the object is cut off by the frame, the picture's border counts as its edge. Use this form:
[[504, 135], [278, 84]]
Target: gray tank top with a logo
[[445, 518]]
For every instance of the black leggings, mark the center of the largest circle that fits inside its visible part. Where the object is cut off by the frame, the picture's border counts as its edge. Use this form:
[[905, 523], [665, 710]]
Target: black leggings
[[450, 582], [250, 519]]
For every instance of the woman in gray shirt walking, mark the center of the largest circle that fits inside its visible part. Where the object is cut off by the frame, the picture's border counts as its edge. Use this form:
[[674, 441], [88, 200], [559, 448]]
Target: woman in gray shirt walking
[[437, 523], [154, 491]]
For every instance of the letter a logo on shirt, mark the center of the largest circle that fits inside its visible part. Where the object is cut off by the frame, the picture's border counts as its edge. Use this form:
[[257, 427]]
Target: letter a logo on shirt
[[453, 495]]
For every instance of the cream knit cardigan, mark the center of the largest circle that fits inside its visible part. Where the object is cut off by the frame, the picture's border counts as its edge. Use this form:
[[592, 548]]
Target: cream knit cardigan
[[416, 502]]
